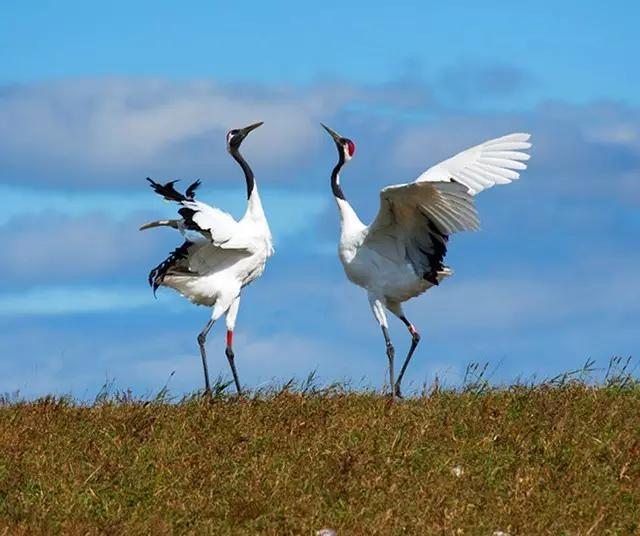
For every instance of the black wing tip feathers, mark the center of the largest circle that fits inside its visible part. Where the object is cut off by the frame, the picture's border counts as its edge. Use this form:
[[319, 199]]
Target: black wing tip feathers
[[191, 190], [432, 253], [156, 276], [168, 191]]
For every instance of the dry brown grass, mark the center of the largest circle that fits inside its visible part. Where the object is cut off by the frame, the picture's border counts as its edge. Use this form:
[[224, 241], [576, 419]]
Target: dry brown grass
[[529, 460]]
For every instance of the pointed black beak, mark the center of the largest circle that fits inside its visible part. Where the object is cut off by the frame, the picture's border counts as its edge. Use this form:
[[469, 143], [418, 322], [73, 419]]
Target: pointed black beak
[[336, 137], [244, 131]]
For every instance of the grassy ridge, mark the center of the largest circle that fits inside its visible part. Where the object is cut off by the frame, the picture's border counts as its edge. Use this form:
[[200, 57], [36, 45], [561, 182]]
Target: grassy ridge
[[523, 460]]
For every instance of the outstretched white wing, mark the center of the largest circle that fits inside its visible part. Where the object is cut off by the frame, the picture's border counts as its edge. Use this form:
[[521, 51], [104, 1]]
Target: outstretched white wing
[[496, 161], [415, 220]]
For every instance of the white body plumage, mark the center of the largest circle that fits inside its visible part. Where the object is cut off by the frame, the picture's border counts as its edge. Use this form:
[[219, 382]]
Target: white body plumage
[[400, 255], [214, 272], [225, 256]]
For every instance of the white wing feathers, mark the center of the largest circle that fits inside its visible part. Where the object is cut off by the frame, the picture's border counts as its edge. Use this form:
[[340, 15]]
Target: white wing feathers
[[212, 223], [451, 208], [416, 219], [448, 205], [215, 224], [495, 161]]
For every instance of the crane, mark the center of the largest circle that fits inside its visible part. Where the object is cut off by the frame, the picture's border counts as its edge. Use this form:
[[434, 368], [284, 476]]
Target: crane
[[400, 254], [219, 256]]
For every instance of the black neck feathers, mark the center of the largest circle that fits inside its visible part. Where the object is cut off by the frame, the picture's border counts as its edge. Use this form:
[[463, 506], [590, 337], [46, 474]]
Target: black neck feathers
[[248, 173], [335, 184]]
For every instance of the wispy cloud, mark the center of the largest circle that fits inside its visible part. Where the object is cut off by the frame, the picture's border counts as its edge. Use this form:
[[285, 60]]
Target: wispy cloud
[[50, 248], [72, 300], [86, 130], [107, 131], [116, 131]]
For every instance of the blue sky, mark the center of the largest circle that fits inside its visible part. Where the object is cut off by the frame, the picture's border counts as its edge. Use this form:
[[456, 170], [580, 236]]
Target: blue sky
[[95, 98]]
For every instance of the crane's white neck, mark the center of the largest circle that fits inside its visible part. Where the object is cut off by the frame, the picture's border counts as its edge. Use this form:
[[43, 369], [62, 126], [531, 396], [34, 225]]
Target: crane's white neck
[[349, 221], [254, 205]]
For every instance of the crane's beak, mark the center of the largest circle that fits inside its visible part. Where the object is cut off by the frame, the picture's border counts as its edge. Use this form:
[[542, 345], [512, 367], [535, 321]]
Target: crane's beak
[[336, 137], [244, 131], [159, 223]]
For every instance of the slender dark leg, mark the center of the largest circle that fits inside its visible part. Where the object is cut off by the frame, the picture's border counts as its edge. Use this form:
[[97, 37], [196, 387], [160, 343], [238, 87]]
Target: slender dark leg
[[202, 339], [231, 358], [390, 356], [415, 339]]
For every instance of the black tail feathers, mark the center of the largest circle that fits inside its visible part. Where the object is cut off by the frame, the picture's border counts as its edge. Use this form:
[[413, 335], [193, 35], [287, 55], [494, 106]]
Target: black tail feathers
[[169, 192], [191, 191]]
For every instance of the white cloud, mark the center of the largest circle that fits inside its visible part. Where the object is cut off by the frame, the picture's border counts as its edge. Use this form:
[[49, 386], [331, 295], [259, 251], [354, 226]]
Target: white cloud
[[584, 151], [49, 247], [73, 300], [108, 130], [117, 131], [108, 127]]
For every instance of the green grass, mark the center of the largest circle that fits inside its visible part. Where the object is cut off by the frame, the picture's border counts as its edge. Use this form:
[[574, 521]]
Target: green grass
[[558, 458]]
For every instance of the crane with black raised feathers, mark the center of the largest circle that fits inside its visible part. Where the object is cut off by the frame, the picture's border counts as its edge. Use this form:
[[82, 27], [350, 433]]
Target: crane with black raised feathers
[[220, 256], [401, 253]]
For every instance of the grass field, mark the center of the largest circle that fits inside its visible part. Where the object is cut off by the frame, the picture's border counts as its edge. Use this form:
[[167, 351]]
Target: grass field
[[558, 458]]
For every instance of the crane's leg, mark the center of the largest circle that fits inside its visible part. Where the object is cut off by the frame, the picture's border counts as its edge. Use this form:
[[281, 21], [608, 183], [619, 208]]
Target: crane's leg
[[415, 339], [218, 309], [232, 314], [202, 339], [378, 311], [390, 357]]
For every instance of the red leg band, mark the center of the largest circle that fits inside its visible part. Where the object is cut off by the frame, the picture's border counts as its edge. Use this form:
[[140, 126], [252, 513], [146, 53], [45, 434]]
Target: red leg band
[[229, 338]]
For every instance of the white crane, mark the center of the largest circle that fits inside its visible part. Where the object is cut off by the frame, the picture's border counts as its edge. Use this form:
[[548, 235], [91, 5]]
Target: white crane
[[225, 255], [400, 255]]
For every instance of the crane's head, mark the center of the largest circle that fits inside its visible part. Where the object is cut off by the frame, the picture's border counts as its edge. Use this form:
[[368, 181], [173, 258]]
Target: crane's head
[[346, 148], [237, 135]]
